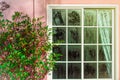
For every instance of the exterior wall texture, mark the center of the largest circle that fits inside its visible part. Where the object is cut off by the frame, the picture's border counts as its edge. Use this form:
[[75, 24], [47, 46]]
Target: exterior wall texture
[[40, 8]]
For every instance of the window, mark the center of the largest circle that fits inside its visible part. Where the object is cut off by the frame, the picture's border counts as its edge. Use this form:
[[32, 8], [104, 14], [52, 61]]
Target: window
[[85, 37]]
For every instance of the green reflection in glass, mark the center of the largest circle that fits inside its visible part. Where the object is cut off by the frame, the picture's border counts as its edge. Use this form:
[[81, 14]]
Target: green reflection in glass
[[74, 17], [90, 35], [74, 35], [90, 17]]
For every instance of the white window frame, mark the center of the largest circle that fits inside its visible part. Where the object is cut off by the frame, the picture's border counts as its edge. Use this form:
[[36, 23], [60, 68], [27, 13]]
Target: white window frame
[[116, 31]]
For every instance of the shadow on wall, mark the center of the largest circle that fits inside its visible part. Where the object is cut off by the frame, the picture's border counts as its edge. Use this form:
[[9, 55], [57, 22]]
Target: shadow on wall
[[25, 6], [4, 5]]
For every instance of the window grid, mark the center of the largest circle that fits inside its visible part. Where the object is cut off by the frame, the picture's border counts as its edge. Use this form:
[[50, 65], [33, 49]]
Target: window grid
[[66, 44], [82, 42], [82, 46], [97, 47], [113, 46]]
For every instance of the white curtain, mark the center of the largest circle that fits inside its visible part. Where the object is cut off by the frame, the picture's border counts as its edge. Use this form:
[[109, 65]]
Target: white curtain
[[104, 20]]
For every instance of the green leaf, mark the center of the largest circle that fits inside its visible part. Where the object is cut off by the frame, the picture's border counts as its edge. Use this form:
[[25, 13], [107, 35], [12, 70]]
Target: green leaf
[[17, 14], [1, 15], [23, 57], [18, 35]]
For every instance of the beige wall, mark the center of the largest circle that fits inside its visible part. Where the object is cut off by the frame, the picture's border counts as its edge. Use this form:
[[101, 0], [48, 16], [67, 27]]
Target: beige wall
[[26, 6]]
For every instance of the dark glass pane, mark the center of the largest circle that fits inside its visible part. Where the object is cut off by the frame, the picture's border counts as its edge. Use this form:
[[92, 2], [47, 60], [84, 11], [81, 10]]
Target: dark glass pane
[[74, 17], [90, 35], [90, 53], [59, 71], [59, 35], [61, 49], [74, 35], [105, 35], [74, 71], [90, 70], [90, 17], [74, 53], [105, 70], [105, 53], [59, 17], [105, 17]]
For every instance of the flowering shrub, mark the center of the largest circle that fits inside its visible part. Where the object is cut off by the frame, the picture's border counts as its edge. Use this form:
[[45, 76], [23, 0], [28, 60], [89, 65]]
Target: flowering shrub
[[24, 48]]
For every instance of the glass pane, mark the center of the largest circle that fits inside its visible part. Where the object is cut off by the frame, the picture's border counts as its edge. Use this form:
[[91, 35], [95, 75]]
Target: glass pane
[[61, 49], [58, 17], [59, 35], [59, 71], [90, 35], [74, 70], [90, 70], [74, 53], [105, 35], [74, 35], [105, 17], [105, 70], [105, 53], [74, 17], [90, 17], [90, 53]]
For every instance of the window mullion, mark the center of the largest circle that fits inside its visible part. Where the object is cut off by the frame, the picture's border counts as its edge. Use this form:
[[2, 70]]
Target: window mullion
[[66, 43], [82, 46], [113, 46], [97, 47]]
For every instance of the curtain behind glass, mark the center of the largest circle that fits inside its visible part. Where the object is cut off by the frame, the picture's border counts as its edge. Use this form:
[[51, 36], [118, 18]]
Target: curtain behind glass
[[105, 20]]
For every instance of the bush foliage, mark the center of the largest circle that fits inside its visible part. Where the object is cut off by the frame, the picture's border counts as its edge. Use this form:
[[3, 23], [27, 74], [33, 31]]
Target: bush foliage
[[25, 48]]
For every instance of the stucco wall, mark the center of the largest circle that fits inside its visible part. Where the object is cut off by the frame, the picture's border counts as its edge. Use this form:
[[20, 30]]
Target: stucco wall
[[26, 6]]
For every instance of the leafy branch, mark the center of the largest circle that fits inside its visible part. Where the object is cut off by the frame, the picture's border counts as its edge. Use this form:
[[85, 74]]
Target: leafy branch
[[24, 48]]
